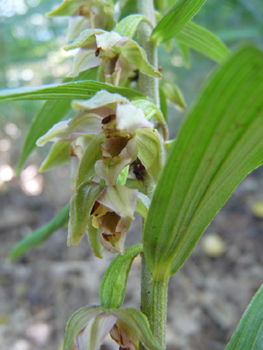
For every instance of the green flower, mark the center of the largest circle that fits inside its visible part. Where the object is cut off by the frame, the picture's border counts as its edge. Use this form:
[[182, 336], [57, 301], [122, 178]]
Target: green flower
[[85, 14], [119, 56], [88, 327]]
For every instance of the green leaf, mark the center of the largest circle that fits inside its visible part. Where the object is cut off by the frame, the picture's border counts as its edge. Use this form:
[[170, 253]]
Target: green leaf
[[58, 155], [138, 322], [41, 235], [173, 93], [219, 143], [113, 284], [81, 205], [50, 113], [77, 322], [94, 239], [65, 91], [249, 332], [128, 26], [175, 19], [203, 41], [150, 150], [91, 154]]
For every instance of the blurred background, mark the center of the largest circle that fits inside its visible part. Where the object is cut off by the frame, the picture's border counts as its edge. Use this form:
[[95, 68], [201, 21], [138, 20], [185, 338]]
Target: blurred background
[[40, 291]]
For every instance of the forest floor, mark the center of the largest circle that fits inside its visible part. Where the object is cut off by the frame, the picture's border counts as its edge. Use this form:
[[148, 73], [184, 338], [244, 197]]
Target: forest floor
[[40, 291]]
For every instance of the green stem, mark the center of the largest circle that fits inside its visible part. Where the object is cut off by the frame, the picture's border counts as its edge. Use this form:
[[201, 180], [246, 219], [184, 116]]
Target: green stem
[[153, 292], [148, 85]]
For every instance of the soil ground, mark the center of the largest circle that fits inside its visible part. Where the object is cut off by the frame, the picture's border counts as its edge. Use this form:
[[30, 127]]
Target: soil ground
[[40, 291]]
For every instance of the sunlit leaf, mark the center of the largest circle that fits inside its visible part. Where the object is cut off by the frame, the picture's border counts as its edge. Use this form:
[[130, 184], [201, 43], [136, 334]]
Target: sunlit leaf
[[41, 235], [175, 19], [203, 41], [218, 145], [249, 332], [64, 91]]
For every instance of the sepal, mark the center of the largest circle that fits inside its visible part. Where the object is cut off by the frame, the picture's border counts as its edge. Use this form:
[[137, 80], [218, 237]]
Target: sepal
[[88, 327], [150, 151], [173, 93], [58, 155], [128, 26], [81, 205]]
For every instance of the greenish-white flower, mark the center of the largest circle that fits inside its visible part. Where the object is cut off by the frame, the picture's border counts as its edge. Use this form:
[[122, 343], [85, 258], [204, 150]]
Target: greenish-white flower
[[119, 56]]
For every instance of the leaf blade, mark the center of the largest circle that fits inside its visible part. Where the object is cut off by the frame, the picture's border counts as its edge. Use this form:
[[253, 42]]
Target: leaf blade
[[209, 158], [249, 332], [175, 19], [41, 235], [203, 41]]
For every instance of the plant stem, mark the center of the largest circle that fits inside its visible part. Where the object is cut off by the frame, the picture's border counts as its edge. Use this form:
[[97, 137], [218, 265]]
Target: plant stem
[[153, 292], [148, 85]]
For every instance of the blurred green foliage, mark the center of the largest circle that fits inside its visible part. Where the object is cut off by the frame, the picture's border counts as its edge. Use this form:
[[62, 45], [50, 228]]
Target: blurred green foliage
[[32, 54]]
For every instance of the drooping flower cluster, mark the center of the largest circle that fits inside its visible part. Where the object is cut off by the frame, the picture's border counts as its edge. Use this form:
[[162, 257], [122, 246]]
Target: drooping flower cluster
[[85, 14], [119, 125]]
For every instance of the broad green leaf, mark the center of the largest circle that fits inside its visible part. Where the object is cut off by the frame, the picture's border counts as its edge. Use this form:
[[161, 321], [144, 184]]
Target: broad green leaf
[[150, 150], [81, 205], [173, 93], [138, 322], [50, 113], [128, 26], [77, 322], [113, 284], [58, 155], [203, 41], [94, 239], [175, 19], [219, 143], [41, 235], [249, 332], [91, 154], [65, 91]]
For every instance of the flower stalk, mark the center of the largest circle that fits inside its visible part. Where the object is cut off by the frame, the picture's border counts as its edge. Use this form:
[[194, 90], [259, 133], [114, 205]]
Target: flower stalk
[[153, 292]]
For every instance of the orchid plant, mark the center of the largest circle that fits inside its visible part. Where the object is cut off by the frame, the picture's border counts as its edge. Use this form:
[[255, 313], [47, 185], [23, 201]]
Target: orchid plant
[[123, 162]]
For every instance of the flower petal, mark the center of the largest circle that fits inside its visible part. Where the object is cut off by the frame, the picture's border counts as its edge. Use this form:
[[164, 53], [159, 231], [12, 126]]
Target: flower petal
[[110, 166], [95, 332], [84, 60], [77, 322], [107, 40], [76, 25], [119, 199], [130, 118], [53, 133], [100, 99]]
